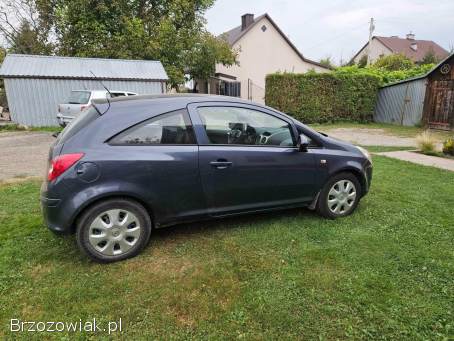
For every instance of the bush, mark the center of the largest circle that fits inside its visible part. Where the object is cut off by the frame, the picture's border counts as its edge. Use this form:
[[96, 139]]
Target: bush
[[448, 147], [323, 97], [426, 142], [385, 76], [394, 62]]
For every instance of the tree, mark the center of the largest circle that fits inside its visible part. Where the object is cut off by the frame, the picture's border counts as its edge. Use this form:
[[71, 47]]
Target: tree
[[430, 58], [362, 62], [394, 62], [172, 31], [2, 54], [207, 52], [326, 62], [26, 26]]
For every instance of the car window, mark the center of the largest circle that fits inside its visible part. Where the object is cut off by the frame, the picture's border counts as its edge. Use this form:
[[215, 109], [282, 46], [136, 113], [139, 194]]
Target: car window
[[82, 120], [131, 94], [171, 128], [241, 126], [78, 97], [117, 94]]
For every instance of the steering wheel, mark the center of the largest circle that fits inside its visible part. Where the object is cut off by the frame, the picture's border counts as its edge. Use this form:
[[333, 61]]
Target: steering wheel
[[279, 138], [234, 135]]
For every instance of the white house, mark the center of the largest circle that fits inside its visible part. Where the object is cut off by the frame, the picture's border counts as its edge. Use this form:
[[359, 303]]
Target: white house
[[263, 49], [409, 46]]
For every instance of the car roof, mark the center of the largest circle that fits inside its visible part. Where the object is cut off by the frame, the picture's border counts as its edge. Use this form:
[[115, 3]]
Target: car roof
[[188, 98], [85, 90]]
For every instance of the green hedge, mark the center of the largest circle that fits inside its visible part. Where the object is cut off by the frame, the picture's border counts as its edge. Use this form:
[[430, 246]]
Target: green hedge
[[323, 97]]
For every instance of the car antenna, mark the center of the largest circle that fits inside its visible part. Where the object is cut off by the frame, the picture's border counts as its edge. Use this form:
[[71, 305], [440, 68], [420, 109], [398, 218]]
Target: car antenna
[[108, 91]]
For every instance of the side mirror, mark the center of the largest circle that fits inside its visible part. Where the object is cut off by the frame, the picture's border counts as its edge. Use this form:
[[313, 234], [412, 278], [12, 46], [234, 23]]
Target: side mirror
[[303, 143]]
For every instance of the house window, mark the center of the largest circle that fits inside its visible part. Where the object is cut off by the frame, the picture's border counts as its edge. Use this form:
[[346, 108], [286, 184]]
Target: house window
[[263, 28]]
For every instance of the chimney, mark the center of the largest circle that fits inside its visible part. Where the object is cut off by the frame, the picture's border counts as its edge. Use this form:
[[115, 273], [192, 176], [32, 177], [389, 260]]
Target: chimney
[[411, 36], [246, 20]]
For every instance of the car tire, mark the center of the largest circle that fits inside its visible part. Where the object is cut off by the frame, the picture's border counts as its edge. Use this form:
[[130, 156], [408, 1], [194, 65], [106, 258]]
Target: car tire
[[113, 230], [340, 196]]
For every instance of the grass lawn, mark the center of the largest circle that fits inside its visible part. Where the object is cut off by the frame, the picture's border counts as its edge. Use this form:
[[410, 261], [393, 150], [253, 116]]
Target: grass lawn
[[392, 129], [16, 127], [386, 272]]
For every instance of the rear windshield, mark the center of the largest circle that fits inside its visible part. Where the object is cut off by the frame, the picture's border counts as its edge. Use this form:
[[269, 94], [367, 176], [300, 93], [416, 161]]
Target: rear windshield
[[78, 97], [82, 120]]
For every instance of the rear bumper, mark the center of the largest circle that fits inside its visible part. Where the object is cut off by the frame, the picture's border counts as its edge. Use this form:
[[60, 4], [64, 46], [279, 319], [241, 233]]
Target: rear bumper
[[54, 216], [64, 120]]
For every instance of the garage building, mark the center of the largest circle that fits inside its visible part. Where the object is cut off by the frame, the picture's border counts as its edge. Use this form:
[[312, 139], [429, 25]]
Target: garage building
[[427, 100], [35, 85]]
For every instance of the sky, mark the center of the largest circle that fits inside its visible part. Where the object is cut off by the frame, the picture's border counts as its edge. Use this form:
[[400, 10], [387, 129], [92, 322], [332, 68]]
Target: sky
[[339, 28]]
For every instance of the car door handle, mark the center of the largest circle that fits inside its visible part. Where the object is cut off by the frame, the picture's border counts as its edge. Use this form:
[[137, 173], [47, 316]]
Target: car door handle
[[221, 164]]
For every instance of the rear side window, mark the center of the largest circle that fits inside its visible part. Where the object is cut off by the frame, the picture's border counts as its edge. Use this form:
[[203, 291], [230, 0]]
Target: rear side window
[[78, 97], [82, 120], [171, 128]]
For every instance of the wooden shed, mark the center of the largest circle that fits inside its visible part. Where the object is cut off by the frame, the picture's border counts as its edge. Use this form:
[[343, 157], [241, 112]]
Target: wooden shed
[[426, 100], [438, 109]]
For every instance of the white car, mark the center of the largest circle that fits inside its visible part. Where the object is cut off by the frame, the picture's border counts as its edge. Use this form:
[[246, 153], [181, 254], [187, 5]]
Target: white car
[[79, 100]]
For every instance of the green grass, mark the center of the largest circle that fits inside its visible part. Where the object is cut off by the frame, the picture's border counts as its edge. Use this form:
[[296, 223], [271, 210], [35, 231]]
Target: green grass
[[392, 129], [386, 272], [381, 149], [17, 127]]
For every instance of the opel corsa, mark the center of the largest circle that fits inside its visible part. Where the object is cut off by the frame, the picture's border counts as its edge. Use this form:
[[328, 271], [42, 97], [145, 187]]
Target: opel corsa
[[129, 165]]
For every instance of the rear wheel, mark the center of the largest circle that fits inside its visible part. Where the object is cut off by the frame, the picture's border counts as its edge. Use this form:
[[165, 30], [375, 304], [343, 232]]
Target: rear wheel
[[113, 230], [340, 196]]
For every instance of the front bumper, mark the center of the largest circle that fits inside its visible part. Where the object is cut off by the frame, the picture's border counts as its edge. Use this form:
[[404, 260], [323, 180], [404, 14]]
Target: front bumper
[[368, 169]]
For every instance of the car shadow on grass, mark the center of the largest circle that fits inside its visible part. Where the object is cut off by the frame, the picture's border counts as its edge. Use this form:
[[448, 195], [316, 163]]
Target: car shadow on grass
[[229, 223]]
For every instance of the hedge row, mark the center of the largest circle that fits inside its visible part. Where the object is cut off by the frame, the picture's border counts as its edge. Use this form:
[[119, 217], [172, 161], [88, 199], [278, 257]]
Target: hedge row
[[323, 97]]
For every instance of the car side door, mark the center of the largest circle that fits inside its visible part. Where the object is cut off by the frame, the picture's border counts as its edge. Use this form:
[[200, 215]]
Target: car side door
[[160, 156], [248, 158]]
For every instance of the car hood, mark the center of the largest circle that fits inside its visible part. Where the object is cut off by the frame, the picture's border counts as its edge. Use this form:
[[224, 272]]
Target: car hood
[[340, 144]]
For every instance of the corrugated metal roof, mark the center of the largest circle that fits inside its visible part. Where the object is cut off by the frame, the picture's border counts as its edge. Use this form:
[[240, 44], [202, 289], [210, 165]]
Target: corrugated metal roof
[[31, 66]]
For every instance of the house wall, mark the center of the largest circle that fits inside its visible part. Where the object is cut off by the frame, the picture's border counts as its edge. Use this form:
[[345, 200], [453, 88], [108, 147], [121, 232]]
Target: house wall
[[262, 53], [33, 101], [376, 51]]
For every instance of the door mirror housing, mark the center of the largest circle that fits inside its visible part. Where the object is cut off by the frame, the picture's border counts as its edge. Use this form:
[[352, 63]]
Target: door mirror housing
[[303, 143]]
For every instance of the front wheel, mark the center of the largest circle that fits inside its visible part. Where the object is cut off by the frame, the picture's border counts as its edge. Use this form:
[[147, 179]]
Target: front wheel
[[340, 196], [113, 230]]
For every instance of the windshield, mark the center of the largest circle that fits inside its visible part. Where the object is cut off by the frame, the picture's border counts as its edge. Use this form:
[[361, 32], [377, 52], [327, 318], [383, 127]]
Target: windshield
[[79, 97]]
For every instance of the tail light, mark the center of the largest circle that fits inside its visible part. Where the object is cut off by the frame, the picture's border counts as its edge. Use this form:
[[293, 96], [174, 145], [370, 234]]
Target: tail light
[[83, 107], [61, 163]]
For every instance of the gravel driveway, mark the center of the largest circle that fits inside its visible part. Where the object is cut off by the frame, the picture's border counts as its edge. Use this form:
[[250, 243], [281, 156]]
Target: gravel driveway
[[370, 137], [23, 154]]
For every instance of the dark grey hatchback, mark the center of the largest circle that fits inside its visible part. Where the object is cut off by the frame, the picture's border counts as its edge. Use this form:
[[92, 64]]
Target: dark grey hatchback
[[125, 167]]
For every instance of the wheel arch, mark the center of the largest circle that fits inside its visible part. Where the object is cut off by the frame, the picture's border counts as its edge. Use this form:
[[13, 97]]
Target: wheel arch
[[109, 196], [356, 172]]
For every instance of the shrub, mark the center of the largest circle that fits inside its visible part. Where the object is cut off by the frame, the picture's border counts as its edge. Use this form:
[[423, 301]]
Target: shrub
[[394, 62], [324, 97], [426, 142], [448, 147]]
